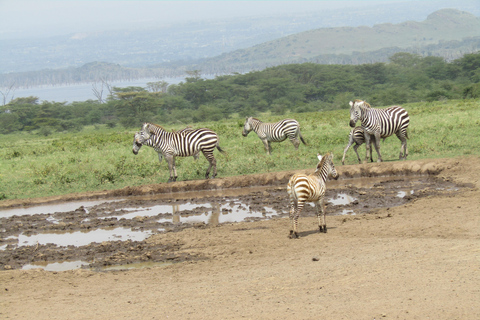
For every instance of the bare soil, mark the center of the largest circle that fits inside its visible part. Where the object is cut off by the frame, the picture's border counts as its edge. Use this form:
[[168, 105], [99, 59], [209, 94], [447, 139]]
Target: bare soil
[[409, 257]]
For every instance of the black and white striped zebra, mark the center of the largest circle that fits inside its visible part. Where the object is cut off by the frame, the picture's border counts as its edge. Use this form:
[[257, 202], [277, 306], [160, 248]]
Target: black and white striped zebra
[[140, 140], [274, 132], [303, 188], [184, 143], [380, 123], [356, 136]]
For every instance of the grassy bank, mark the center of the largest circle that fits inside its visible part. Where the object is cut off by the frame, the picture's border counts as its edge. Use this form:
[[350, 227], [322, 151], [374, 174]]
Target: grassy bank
[[101, 158]]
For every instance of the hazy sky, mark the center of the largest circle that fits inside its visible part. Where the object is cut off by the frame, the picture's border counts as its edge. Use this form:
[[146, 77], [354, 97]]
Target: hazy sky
[[32, 18]]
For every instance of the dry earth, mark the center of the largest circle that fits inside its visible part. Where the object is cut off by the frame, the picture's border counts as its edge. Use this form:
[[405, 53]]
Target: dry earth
[[418, 260]]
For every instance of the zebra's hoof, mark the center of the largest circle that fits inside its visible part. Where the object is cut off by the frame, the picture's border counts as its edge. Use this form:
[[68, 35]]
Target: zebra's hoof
[[323, 229], [293, 235]]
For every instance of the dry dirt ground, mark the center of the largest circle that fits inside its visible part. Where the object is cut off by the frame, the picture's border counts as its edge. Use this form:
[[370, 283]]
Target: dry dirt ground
[[415, 257]]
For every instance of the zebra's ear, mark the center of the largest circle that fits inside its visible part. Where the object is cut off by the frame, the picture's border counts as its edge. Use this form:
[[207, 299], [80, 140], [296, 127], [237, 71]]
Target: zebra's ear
[[351, 103], [319, 156]]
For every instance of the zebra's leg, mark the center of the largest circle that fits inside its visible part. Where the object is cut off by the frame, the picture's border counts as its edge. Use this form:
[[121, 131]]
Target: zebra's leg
[[403, 147], [322, 223], [266, 144], [298, 210], [212, 163], [295, 142], [346, 149], [291, 214], [268, 147], [171, 167], [371, 150], [376, 141], [367, 146], [355, 148]]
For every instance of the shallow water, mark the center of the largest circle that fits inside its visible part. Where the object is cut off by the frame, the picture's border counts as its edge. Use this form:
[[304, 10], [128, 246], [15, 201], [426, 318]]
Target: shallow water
[[82, 238], [51, 208], [85, 224]]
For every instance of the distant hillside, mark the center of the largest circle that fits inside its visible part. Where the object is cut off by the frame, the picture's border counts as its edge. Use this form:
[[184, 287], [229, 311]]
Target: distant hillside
[[358, 45], [446, 33]]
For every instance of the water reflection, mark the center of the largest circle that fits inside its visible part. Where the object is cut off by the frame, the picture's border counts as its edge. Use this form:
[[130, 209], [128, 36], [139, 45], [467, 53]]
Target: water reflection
[[52, 208], [402, 194], [342, 199], [56, 266], [208, 213], [83, 238]]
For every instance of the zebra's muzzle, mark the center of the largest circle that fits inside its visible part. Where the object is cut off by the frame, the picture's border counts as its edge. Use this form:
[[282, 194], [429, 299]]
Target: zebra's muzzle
[[136, 147], [352, 123]]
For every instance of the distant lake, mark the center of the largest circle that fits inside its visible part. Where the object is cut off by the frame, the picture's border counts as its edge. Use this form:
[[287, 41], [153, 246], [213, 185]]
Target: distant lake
[[80, 92]]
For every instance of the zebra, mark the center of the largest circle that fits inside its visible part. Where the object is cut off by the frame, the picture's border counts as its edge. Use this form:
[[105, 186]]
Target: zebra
[[274, 132], [357, 136], [380, 123], [303, 188], [140, 140], [184, 143]]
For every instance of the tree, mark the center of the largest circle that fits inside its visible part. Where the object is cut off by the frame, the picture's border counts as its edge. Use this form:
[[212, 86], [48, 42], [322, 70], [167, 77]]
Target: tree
[[158, 86], [98, 89], [470, 66], [6, 92], [405, 59], [134, 108], [195, 75]]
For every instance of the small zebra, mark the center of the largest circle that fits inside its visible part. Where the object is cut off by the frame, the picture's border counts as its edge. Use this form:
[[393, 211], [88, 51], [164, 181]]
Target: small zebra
[[303, 188], [357, 136], [274, 132], [380, 123], [184, 143]]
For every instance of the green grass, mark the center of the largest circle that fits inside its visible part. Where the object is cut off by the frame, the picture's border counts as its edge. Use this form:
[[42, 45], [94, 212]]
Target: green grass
[[101, 159]]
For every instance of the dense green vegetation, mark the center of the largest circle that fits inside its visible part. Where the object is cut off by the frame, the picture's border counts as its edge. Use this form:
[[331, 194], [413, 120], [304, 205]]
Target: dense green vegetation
[[99, 158], [293, 88]]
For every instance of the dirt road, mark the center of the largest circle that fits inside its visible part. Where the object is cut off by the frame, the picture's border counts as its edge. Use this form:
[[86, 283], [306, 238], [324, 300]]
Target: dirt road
[[416, 260]]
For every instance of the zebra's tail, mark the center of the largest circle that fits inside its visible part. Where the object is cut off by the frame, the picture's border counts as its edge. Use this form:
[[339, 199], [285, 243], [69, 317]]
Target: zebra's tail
[[223, 152], [301, 138]]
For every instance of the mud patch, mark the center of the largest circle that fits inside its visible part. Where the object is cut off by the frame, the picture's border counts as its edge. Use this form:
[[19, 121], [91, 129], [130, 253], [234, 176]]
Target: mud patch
[[112, 233]]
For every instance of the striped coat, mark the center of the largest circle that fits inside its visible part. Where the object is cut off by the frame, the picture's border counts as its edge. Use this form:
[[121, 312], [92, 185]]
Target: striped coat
[[303, 188], [381, 123], [274, 132], [357, 137], [184, 143]]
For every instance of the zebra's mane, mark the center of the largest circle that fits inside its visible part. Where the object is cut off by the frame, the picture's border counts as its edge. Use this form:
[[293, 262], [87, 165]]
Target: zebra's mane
[[322, 162], [256, 119], [324, 158], [362, 102], [154, 125]]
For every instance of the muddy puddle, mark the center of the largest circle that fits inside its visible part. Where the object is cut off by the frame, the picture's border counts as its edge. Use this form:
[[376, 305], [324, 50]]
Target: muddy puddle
[[111, 234]]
